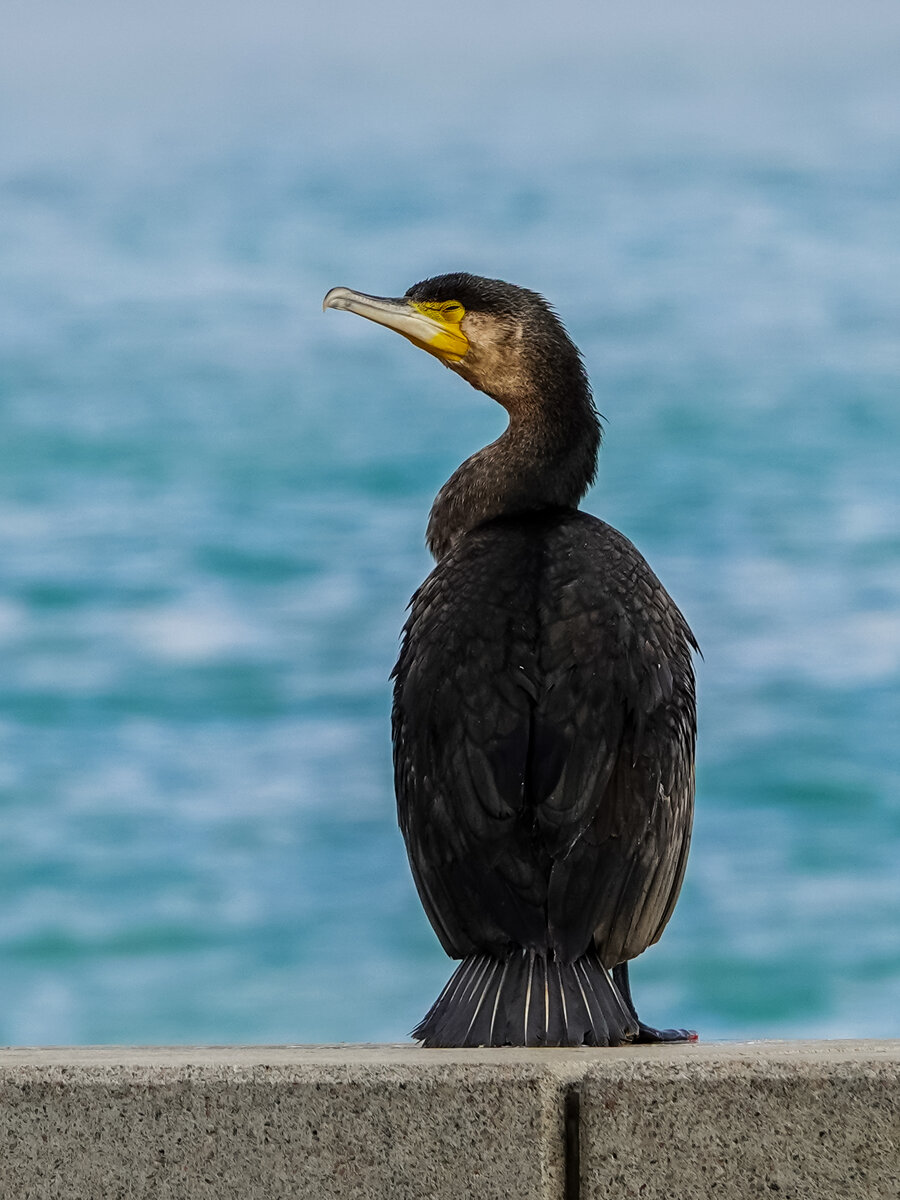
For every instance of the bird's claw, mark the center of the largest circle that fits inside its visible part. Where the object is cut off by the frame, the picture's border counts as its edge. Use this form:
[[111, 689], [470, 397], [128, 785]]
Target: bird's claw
[[648, 1036]]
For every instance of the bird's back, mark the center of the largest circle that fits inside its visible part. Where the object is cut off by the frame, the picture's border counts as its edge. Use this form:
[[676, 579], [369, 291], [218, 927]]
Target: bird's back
[[543, 741]]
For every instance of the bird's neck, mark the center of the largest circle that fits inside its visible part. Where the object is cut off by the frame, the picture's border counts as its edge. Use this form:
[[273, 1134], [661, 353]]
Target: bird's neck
[[546, 458]]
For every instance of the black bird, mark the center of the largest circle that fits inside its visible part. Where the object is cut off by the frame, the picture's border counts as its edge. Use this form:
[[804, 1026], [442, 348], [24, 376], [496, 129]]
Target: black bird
[[544, 718]]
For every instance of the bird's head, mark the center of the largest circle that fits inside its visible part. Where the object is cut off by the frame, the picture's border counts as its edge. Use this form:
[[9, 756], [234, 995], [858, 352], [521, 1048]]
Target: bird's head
[[504, 340]]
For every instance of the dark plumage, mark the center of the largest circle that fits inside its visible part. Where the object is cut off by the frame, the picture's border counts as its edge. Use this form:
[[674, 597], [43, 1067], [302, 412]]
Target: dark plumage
[[544, 715]]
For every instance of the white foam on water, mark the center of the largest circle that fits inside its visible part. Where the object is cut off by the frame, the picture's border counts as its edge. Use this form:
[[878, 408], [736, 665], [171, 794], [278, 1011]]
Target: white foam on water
[[194, 632]]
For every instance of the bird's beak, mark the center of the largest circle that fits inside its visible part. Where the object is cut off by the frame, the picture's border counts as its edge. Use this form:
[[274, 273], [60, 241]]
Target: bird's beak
[[425, 327]]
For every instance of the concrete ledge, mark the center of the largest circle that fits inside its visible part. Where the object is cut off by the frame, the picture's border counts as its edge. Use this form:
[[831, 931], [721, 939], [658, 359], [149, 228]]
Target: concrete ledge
[[255, 1123]]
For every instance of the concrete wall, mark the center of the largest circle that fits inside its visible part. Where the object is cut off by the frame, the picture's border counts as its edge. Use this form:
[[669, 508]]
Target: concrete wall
[[780, 1120]]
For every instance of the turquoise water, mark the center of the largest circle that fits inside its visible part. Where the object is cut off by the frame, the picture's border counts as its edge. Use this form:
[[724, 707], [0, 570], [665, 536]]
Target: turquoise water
[[213, 499]]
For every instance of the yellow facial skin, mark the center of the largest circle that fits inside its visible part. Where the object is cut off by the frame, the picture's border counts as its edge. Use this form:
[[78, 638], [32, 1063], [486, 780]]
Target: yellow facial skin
[[433, 326], [448, 342]]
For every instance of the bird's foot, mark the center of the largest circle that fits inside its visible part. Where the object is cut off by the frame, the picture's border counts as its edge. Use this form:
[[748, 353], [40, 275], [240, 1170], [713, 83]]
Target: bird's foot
[[648, 1036]]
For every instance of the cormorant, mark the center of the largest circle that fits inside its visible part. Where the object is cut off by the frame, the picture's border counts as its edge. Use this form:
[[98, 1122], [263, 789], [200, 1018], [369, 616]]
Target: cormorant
[[544, 718]]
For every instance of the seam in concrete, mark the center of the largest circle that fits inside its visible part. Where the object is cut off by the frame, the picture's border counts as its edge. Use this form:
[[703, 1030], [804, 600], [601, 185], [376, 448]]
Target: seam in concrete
[[572, 1122]]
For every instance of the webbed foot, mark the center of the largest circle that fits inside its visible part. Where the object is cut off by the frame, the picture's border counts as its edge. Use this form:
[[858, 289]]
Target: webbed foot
[[646, 1034]]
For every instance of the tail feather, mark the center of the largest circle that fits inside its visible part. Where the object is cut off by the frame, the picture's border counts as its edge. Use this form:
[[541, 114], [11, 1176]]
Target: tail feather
[[528, 999]]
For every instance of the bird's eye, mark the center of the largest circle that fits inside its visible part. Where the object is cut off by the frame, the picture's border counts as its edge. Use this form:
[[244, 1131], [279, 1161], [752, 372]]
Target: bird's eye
[[452, 311]]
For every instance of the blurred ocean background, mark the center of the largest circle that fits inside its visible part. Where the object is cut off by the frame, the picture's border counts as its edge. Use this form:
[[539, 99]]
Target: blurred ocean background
[[213, 497]]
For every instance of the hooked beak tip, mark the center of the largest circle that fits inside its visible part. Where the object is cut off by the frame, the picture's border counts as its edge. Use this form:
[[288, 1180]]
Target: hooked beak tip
[[338, 297]]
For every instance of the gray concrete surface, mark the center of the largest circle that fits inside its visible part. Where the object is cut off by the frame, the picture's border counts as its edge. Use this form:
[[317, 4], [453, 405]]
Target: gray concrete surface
[[784, 1120], [261, 1124], [770, 1119]]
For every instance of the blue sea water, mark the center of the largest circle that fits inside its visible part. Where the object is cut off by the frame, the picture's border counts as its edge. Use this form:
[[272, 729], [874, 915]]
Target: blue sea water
[[213, 498]]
